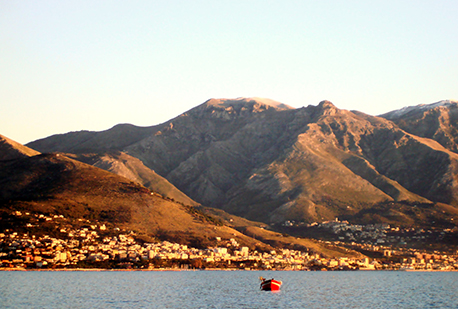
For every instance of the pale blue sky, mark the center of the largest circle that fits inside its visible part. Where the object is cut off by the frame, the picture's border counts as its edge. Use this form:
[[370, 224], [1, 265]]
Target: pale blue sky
[[89, 65]]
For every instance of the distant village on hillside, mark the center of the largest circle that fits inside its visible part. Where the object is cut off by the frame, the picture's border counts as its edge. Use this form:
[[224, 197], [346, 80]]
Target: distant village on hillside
[[85, 247]]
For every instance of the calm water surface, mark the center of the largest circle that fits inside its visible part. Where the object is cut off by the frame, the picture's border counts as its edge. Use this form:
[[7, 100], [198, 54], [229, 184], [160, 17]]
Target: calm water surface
[[228, 289]]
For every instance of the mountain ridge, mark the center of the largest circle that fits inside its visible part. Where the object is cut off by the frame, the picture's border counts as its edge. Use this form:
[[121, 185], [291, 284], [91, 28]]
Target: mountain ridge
[[436, 121], [10, 149], [309, 164]]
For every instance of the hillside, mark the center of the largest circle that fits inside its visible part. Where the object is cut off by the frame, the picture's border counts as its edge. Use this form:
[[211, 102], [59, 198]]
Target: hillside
[[10, 150], [133, 169], [54, 184], [269, 162]]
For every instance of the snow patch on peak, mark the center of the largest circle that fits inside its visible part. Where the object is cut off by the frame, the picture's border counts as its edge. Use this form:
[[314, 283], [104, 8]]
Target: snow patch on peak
[[437, 104], [417, 108], [239, 107], [270, 102], [247, 101]]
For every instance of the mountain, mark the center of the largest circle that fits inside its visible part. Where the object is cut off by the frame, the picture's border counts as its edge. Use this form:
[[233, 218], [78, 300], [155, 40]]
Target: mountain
[[55, 184], [269, 162], [437, 121]]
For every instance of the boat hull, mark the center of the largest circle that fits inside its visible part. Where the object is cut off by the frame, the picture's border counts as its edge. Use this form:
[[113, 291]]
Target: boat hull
[[270, 285]]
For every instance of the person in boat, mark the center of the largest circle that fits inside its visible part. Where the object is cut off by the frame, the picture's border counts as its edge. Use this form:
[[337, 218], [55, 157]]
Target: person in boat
[[270, 284], [264, 279]]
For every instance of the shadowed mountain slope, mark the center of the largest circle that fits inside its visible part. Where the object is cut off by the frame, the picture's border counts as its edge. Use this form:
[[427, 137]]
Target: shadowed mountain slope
[[133, 169], [115, 138]]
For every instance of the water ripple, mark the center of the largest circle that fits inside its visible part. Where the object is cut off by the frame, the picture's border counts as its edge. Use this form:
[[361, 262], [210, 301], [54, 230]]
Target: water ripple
[[222, 289]]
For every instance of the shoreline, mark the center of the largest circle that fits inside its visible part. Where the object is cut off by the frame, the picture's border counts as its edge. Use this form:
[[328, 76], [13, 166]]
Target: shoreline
[[215, 269]]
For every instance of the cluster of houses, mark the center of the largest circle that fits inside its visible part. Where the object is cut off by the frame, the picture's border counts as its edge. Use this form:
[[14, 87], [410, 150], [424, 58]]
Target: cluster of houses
[[404, 258], [89, 245], [377, 234], [25, 251]]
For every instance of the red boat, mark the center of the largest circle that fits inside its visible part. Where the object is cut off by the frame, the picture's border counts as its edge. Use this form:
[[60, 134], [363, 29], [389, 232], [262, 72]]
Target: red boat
[[270, 284]]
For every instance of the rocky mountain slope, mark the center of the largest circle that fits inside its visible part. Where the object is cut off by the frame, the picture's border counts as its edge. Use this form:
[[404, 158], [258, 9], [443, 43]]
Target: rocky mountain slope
[[437, 121], [267, 161]]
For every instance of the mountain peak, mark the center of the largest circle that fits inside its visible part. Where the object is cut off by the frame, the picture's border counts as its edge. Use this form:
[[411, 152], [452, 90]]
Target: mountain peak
[[418, 108], [326, 108], [232, 108], [243, 101], [326, 104]]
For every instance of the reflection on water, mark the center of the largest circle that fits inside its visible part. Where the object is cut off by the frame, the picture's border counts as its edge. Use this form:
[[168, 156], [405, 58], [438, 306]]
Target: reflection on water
[[227, 289]]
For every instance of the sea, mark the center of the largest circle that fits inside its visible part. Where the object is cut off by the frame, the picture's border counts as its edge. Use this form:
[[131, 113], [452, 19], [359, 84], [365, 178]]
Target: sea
[[227, 289]]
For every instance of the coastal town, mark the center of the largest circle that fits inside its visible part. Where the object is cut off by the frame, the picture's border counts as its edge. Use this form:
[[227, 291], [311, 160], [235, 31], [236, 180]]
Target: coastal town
[[89, 247]]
